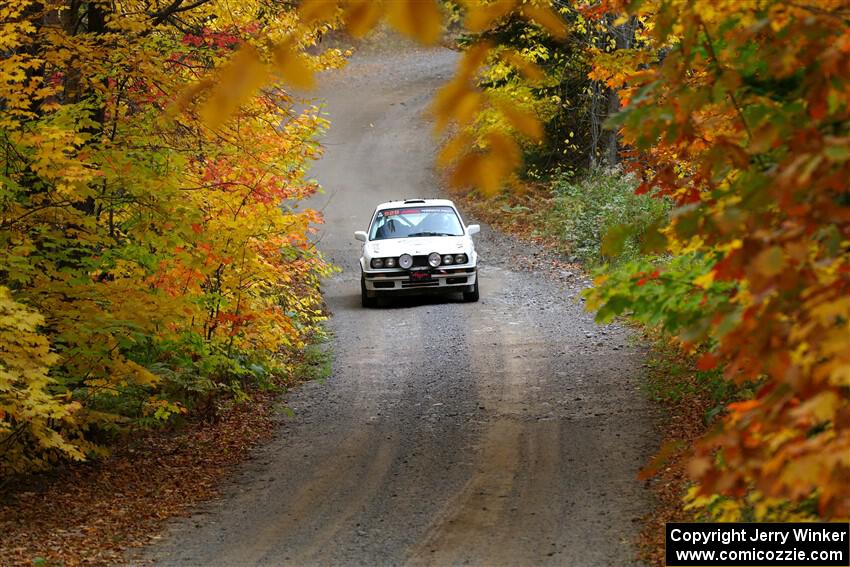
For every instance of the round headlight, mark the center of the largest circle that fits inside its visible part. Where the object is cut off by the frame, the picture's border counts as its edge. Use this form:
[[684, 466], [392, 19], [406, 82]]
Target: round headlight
[[434, 259], [405, 261], [389, 262], [377, 262], [460, 259], [447, 259]]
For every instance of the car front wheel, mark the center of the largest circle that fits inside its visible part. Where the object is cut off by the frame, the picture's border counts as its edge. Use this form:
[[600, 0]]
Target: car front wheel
[[472, 295], [365, 300]]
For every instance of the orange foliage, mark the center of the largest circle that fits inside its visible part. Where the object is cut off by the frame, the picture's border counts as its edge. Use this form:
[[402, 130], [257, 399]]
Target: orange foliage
[[744, 122]]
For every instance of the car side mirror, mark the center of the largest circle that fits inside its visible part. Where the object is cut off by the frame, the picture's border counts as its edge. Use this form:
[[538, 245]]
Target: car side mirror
[[361, 236], [473, 229]]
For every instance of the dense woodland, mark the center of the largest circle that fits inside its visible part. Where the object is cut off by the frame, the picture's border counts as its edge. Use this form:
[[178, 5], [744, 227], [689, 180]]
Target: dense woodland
[[156, 261]]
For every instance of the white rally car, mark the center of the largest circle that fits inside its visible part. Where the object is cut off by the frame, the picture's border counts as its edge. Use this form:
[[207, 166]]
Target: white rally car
[[417, 246]]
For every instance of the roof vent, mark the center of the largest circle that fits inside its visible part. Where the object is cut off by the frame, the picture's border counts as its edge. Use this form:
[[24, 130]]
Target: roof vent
[[406, 201]]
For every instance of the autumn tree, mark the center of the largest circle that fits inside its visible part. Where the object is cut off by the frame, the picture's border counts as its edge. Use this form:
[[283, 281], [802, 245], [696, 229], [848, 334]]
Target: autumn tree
[[151, 259], [142, 248], [738, 113]]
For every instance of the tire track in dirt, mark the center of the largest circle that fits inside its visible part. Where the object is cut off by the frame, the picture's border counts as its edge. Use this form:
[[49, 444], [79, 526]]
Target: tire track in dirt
[[505, 432]]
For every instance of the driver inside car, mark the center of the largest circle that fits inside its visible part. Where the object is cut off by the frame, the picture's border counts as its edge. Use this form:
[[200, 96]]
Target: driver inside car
[[390, 229]]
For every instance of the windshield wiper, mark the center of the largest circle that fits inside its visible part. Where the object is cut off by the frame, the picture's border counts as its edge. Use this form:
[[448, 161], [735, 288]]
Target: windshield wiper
[[428, 234]]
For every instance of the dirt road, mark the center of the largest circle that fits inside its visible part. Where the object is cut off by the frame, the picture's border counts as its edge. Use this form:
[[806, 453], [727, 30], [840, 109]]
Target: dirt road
[[505, 432]]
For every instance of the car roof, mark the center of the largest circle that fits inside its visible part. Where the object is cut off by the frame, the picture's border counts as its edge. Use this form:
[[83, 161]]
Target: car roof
[[401, 203]]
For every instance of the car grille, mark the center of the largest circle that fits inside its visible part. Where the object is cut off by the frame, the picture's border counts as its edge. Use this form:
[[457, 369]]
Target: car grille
[[426, 283], [422, 261]]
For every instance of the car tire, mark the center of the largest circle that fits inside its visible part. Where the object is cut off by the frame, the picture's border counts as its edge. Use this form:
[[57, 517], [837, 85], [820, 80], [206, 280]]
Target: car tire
[[366, 301], [471, 296]]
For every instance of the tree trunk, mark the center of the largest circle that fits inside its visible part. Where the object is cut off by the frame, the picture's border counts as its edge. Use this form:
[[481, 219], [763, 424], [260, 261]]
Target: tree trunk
[[596, 119], [624, 36]]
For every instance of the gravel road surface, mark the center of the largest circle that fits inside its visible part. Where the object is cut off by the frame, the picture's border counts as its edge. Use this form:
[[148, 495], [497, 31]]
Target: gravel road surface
[[503, 432]]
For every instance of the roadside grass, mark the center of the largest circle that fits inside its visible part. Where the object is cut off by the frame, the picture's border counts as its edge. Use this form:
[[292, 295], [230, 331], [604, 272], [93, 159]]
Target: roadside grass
[[586, 209], [673, 382], [317, 361], [693, 400], [316, 364]]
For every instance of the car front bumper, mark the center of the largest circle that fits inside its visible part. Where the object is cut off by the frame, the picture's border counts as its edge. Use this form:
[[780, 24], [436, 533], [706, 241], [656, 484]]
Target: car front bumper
[[438, 280]]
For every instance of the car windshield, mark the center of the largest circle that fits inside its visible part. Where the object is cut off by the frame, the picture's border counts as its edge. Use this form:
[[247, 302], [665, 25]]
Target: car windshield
[[410, 222]]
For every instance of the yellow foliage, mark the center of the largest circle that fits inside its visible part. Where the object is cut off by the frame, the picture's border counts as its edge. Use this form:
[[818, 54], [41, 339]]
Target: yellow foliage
[[481, 15], [235, 85], [361, 17], [147, 255], [418, 19], [293, 66], [27, 409], [543, 15], [523, 121]]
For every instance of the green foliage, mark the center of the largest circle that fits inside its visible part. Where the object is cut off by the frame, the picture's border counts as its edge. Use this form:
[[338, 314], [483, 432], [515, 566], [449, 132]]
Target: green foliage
[[671, 295], [586, 210]]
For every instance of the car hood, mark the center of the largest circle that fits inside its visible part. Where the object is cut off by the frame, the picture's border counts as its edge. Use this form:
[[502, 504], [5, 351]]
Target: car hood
[[423, 245]]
